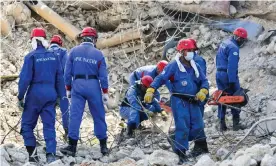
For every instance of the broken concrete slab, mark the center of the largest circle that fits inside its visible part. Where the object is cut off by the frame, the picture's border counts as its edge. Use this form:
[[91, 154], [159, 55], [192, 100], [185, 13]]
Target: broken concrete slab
[[229, 25]]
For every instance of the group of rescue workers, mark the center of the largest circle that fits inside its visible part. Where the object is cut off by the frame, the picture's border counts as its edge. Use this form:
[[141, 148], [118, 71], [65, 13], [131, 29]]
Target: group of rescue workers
[[49, 76]]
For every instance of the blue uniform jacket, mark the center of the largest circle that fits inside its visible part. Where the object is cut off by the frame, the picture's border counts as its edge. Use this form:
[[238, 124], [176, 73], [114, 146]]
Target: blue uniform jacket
[[40, 67], [150, 70], [201, 62], [61, 54], [134, 96], [228, 58], [182, 82], [85, 59]]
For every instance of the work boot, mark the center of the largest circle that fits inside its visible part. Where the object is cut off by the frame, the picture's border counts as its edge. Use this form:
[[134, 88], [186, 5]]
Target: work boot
[[130, 130], [71, 149], [50, 157], [200, 148], [236, 124], [33, 157], [223, 126], [103, 145], [182, 157]]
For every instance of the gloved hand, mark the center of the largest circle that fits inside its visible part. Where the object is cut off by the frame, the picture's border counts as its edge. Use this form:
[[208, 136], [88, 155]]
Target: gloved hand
[[201, 95], [149, 95], [105, 98], [68, 95], [123, 124], [148, 112], [164, 115], [20, 104], [231, 86]]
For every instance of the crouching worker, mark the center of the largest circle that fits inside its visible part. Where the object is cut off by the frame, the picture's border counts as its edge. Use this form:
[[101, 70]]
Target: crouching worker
[[131, 108], [150, 70], [86, 75], [40, 76], [188, 84]]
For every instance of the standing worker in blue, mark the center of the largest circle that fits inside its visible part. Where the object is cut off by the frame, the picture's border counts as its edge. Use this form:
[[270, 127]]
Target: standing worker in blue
[[86, 75], [227, 60], [202, 64], [151, 70], [131, 108], [189, 86], [61, 53], [40, 76]]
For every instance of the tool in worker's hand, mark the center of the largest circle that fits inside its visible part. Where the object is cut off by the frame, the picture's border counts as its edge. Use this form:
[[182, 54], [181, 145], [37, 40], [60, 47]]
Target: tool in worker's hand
[[165, 104], [238, 99]]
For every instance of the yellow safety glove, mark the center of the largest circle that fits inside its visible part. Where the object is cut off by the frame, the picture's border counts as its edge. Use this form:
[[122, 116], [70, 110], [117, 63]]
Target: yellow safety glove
[[123, 124], [149, 113], [164, 115], [149, 95], [201, 95]]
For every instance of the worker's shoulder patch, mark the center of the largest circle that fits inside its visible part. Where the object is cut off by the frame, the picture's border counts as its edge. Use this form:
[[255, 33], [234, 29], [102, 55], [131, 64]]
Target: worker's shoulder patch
[[235, 53]]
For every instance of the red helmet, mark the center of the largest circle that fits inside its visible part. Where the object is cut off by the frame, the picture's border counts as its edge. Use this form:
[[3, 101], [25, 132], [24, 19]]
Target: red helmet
[[193, 40], [185, 44], [146, 81], [88, 31], [240, 32], [161, 65], [56, 39], [38, 32]]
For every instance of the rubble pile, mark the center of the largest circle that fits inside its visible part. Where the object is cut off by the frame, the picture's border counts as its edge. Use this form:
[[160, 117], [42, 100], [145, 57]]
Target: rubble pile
[[257, 72]]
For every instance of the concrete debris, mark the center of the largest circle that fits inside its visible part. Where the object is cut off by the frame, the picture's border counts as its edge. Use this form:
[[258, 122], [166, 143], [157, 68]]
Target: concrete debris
[[268, 160], [233, 10], [20, 12], [56, 163], [17, 155], [160, 157], [137, 154], [205, 161], [258, 151], [221, 153], [243, 160], [122, 153]]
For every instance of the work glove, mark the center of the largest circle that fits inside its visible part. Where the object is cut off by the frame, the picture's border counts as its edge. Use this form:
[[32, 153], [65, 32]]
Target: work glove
[[105, 98], [68, 95], [164, 115], [149, 95], [201, 95], [231, 86], [20, 104], [149, 113], [123, 124]]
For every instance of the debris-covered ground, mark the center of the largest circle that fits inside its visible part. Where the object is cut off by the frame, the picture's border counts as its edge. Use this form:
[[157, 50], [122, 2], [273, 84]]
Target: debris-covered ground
[[158, 25]]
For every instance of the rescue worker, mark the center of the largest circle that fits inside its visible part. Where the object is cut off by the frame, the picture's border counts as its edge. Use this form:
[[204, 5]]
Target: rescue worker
[[151, 70], [40, 80], [227, 79], [61, 53], [202, 64], [131, 108], [86, 75], [189, 86]]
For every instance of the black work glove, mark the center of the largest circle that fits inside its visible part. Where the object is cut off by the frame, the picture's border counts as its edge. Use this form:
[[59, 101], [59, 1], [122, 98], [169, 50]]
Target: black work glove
[[231, 86]]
